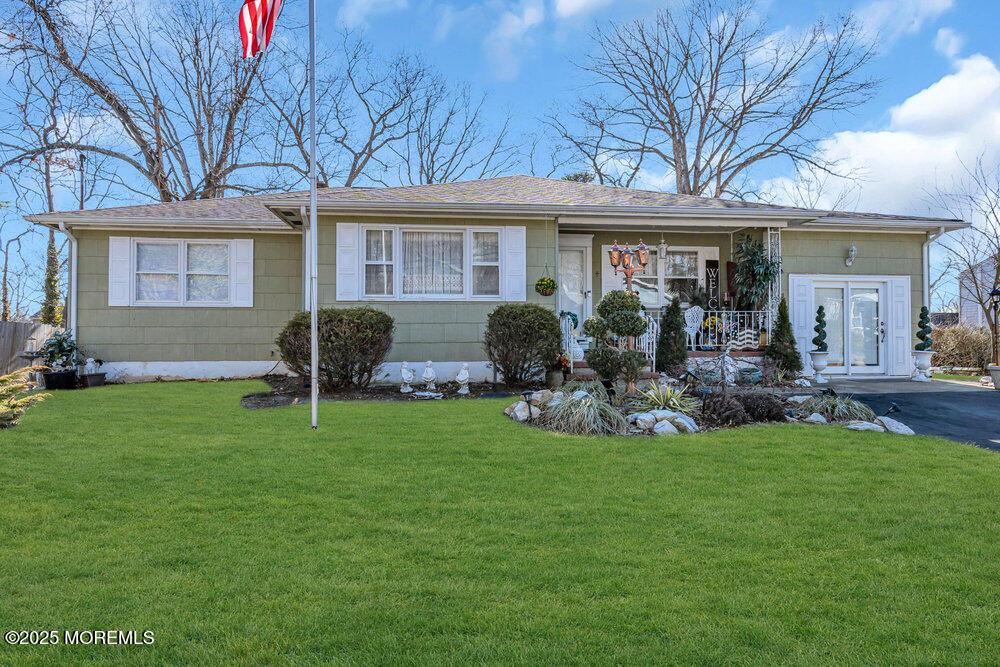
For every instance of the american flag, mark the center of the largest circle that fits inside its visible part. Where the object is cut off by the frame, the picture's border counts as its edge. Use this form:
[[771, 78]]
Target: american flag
[[257, 18]]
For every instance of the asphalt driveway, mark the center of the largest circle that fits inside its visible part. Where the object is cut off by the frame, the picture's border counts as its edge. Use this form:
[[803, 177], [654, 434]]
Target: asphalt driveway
[[946, 409]]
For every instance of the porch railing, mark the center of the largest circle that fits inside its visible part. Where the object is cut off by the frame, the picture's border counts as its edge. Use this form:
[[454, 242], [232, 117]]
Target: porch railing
[[715, 329], [646, 343]]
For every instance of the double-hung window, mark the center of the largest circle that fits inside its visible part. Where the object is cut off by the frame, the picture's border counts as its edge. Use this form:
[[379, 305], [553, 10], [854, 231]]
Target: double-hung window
[[418, 263], [680, 274], [180, 272]]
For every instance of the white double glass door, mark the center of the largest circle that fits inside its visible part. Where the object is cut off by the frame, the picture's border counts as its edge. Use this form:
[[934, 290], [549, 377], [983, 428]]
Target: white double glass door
[[855, 326]]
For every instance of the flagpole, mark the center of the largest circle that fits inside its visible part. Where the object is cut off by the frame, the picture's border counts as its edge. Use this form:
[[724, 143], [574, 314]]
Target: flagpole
[[313, 226]]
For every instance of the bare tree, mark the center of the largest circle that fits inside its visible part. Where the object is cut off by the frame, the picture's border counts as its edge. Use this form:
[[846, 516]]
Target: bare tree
[[450, 140], [813, 188], [167, 89], [706, 92], [973, 255], [366, 105]]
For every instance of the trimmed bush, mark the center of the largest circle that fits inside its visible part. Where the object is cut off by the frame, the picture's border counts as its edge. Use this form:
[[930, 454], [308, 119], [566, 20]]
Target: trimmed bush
[[924, 331], [633, 362], [522, 341], [624, 324], [353, 345], [762, 406], [671, 348], [618, 301], [606, 361], [596, 328], [819, 341], [781, 347]]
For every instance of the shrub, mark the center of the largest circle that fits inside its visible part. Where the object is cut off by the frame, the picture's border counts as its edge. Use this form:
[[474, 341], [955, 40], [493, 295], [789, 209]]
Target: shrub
[[596, 328], [606, 361], [671, 348], [353, 345], [924, 331], [522, 340], [59, 351], [633, 362], [617, 301], [720, 408], [838, 408], [665, 397], [588, 415], [781, 347], [13, 399], [625, 324], [961, 346], [762, 406]]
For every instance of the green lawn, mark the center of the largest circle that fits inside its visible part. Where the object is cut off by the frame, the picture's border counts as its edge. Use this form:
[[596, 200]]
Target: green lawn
[[958, 377], [444, 533]]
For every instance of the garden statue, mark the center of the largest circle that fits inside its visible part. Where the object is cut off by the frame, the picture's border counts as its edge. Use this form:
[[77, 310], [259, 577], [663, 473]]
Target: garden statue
[[429, 377], [463, 380], [408, 377], [91, 367]]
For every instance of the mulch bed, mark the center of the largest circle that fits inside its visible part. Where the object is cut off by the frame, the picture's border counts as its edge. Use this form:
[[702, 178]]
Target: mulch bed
[[293, 391]]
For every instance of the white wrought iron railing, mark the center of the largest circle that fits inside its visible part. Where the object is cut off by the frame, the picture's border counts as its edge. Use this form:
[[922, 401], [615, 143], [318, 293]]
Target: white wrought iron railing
[[715, 329], [646, 343], [569, 343]]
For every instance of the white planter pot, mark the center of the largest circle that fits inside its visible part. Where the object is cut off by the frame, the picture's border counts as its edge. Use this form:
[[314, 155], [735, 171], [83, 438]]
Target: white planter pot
[[995, 374], [922, 360], [819, 365]]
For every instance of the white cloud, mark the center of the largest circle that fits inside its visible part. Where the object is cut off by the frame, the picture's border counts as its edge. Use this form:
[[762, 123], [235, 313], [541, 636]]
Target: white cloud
[[948, 42], [929, 138], [357, 12], [506, 44], [568, 8], [891, 19]]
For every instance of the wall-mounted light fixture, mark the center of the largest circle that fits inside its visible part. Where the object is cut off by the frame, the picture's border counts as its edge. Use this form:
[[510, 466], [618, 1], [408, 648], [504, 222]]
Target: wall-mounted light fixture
[[852, 253]]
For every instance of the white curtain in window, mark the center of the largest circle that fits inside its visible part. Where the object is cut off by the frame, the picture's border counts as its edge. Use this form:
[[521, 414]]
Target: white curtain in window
[[433, 263], [156, 276], [208, 272]]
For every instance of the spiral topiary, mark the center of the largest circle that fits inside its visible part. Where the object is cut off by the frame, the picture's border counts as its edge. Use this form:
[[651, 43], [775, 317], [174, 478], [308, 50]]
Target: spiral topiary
[[820, 340], [924, 330]]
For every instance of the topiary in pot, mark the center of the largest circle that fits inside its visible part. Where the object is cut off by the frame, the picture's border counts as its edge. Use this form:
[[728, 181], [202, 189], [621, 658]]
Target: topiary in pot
[[819, 355], [522, 341], [671, 348], [781, 348], [922, 351]]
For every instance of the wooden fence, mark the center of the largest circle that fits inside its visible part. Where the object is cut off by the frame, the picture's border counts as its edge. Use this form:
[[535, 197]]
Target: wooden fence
[[18, 337]]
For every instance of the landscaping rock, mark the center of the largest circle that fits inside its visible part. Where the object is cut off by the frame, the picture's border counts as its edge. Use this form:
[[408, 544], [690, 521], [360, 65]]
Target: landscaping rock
[[541, 398], [802, 382], [665, 428], [798, 400], [521, 412], [580, 394], [428, 395], [661, 415], [644, 420], [790, 418], [815, 418], [557, 398], [893, 426], [865, 426], [685, 423]]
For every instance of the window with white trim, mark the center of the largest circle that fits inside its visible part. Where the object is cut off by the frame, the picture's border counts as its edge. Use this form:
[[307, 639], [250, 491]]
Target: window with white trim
[[422, 263], [680, 274], [181, 272]]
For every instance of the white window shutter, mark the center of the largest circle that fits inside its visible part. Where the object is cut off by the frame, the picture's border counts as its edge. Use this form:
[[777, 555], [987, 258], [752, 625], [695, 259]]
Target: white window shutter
[[802, 314], [119, 270], [900, 357], [243, 273], [348, 259], [515, 264]]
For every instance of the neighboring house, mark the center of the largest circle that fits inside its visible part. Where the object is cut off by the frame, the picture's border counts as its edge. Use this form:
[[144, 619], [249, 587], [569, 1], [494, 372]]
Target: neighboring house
[[970, 309], [201, 288]]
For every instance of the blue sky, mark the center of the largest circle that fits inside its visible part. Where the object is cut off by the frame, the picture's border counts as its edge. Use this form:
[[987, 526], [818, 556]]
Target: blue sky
[[939, 100]]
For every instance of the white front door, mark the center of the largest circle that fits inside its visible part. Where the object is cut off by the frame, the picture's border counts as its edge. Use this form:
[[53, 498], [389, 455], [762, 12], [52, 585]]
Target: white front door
[[575, 275], [855, 325]]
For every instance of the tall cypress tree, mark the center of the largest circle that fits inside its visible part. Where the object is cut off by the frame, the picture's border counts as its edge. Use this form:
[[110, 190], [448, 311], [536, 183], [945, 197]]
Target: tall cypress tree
[[781, 347], [51, 312], [671, 347]]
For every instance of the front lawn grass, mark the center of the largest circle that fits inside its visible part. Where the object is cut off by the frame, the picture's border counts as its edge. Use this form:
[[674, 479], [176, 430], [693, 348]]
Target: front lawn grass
[[442, 532], [957, 377]]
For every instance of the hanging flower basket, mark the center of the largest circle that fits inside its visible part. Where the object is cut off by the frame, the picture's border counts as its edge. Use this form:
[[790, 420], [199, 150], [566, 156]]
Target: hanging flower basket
[[546, 286]]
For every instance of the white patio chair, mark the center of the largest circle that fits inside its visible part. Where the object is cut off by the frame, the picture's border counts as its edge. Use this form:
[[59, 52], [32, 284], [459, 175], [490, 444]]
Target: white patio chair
[[693, 318]]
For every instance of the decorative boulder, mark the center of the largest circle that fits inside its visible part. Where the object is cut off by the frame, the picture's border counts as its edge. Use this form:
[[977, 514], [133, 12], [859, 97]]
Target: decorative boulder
[[893, 426], [580, 394], [661, 415], [802, 382], [798, 400], [522, 412], [665, 428], [644, 420], [557, 398], [865, 426], [542, 397], [685, 423], [815, 418]]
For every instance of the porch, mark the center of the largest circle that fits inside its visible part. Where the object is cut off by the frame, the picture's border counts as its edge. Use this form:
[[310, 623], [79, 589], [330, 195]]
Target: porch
[[698, 268]]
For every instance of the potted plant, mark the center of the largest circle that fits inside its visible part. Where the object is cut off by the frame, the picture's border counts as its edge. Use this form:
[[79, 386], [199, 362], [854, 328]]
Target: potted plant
[[91, 375], [556, 374], [60, 354], [922, 352], [820, 354], [546, 286]]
